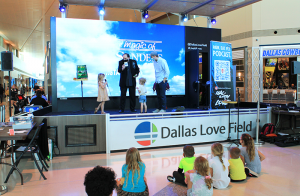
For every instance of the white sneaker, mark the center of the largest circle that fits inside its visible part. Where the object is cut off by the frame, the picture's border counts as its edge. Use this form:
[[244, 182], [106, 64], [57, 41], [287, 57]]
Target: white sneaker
[[156, 111], [171, 178], [251, 173], [162, 111]]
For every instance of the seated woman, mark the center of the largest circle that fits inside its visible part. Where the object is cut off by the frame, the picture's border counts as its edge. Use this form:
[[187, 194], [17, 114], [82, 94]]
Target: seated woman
[[250, 156], [38, 100]]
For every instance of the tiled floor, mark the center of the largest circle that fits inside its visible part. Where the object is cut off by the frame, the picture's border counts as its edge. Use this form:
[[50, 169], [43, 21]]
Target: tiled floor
[[280, 172]]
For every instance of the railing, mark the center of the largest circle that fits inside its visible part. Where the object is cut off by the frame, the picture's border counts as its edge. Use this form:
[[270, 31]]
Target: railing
[[2, 113], [186, 114]]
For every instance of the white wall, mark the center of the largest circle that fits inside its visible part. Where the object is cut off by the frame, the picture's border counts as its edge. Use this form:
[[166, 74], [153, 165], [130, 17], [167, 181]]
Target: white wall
[[280, 15], [272, 14], [266, 15]]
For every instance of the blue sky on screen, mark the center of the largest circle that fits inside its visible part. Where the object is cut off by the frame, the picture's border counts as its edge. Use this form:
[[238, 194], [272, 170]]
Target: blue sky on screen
[[100, 45]]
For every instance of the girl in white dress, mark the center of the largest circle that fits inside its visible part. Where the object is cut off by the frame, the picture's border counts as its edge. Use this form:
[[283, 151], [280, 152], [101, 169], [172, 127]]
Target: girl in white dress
[[102, 93]]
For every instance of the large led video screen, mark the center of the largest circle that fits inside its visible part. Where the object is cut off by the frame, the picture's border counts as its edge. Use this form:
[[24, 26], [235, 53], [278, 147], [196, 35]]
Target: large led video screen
[[100, 45]]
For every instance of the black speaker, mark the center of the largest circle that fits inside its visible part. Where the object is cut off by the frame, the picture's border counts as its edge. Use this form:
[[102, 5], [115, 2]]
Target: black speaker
[[7, 61], [295, 67]]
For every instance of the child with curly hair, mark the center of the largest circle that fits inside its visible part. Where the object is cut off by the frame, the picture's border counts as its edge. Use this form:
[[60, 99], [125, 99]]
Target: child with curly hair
[[100, 181]]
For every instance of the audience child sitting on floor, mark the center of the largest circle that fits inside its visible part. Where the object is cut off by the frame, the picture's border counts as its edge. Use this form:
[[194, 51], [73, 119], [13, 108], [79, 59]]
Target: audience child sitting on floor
[[219, 167], [133, 181], [186, 164], [198, 180], [250, 156], [100, 181], [236, 166]]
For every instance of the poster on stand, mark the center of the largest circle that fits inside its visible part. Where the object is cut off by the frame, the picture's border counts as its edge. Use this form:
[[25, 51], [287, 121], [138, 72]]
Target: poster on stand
[[221, 79]]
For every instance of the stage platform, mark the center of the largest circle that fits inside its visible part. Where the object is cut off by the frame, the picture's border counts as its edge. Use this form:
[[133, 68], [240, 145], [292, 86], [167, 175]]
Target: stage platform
[[84, 132], [116, 111]]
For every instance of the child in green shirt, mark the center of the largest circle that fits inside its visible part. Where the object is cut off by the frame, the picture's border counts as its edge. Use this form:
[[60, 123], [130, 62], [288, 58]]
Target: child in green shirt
[[186, 164]]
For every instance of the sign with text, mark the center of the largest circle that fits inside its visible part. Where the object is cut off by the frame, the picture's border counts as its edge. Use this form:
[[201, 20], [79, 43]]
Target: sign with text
[[179, 131], [281, 52], [221, 79]]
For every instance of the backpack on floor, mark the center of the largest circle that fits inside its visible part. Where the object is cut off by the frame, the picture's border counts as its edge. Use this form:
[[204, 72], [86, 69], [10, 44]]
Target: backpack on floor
[[268, 128], [267, 133]]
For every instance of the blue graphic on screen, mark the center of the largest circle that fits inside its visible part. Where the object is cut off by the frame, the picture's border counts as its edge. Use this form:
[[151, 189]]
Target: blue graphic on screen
[[100, 45]]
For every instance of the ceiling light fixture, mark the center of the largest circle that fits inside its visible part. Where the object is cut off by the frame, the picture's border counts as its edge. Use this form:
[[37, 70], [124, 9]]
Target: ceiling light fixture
[[101, 10], [184, 18], [145, 14], [62, 7], [213, 21]]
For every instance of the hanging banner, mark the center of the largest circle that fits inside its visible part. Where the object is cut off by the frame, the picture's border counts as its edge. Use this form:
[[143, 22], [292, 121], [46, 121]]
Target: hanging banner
[[221, 79], [180, 131]]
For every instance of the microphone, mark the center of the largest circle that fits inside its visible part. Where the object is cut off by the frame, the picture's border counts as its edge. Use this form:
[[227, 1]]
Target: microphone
[[106, 83]]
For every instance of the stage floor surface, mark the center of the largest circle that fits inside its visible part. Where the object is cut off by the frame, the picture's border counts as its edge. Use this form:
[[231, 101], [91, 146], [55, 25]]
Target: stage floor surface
[[116, 111], [279, 175]]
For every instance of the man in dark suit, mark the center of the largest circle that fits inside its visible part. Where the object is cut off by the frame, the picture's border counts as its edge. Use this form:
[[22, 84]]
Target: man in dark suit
[[128, 70]]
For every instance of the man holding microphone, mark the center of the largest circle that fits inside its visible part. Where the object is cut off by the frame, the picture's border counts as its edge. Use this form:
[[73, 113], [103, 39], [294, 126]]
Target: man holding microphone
[[162, 73], [128, 70]]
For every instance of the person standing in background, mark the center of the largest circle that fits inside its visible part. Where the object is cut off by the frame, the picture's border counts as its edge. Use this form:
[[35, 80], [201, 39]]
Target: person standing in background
[[7, 93], [162, 73], [14, 92], [36, 87], [1, 92]]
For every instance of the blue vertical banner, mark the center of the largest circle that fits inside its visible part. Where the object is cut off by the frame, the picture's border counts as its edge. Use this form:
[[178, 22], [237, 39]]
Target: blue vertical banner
[[221, 79]]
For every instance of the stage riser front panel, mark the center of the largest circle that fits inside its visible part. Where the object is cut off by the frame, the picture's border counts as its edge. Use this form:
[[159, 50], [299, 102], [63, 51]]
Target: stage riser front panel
[[78, 133]]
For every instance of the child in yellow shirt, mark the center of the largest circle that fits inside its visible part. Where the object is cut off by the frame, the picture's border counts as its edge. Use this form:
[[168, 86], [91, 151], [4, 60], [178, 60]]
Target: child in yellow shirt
[[236, 166]]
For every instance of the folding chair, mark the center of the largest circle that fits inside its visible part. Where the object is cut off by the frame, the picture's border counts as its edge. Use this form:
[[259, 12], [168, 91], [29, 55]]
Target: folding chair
[[33, 148]]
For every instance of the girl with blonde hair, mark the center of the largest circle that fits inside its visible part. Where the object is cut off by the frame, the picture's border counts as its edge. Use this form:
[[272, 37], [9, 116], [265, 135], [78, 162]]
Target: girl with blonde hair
[[250, 156], [198, 180], [219, 167], [133, 181], [102, 93], [142, 92]]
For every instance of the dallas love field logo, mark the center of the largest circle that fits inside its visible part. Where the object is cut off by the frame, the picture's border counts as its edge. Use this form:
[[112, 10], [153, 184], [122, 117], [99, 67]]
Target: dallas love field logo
[[146, 133]]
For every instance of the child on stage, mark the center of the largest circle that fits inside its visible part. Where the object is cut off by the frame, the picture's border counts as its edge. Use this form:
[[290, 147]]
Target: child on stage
[[102, 93], [142, 91]]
